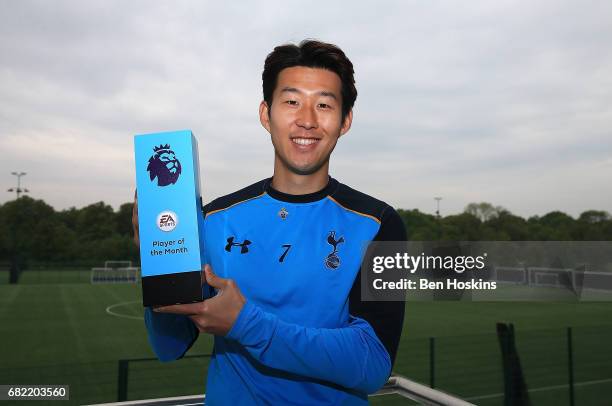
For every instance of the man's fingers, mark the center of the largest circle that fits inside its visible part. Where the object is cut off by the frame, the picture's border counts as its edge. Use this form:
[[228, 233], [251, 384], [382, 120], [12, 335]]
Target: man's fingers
[[203, 274], [214, 280]]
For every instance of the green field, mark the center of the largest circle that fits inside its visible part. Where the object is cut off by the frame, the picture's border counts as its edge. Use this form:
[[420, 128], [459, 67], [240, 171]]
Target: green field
[[62, 333]]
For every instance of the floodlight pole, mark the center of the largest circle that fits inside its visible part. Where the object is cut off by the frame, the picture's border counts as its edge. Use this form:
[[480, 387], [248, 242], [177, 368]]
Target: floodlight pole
[[18, 190], [437, 199], [16, 265]]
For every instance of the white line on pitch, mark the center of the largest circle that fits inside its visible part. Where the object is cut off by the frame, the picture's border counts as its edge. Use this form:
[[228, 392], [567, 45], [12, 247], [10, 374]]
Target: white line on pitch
[[109, 311], [544, 388]]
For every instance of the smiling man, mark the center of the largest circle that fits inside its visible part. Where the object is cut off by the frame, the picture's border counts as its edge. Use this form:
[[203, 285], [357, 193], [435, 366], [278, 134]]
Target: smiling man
[[284, 256]]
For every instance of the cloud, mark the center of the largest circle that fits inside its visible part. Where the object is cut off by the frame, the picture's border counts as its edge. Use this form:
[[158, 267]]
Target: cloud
[[469, 101]]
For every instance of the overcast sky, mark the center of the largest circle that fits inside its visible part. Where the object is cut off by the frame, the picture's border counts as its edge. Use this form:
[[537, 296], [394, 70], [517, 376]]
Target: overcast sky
[[508, 102]]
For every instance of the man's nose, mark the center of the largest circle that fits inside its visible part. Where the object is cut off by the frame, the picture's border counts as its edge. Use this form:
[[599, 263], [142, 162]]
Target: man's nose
[[307, 117]]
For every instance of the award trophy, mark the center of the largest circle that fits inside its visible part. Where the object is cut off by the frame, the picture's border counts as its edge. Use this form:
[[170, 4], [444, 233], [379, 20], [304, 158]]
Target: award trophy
[[169, 217]]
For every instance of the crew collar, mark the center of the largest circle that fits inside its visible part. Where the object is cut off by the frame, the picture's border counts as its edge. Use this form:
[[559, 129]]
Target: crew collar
[[307, 198]]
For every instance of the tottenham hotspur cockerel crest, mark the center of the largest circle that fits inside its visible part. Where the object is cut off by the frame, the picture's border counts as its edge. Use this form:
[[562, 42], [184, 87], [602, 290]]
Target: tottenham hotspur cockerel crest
[[332, 261], [164, 166]]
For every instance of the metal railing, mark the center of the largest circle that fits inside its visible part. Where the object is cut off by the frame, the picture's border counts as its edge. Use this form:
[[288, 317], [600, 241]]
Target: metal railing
[[396, 384], [420, 393]]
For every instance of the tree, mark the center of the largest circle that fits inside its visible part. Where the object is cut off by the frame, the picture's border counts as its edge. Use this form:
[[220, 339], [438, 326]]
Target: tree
[[594, 225], [25, 222], [33, 230], [419, 226], [594, 216], [96, 222], [483, 210], [123, 219], [507, 226], [461, 227]]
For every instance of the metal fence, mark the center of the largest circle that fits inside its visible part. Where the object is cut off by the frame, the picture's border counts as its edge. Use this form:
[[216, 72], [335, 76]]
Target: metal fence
[[571, 366], [407, 390], [559, 366]]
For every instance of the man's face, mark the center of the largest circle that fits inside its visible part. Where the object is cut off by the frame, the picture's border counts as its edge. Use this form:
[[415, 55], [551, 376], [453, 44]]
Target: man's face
[[305, 119]]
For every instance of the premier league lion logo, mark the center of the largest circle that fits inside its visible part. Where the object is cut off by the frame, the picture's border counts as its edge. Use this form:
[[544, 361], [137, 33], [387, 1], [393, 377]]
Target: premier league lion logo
[[164, 166]]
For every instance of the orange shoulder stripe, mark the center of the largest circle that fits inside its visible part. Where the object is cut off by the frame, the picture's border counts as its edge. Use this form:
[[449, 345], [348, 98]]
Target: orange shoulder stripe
[[232, 205], [354, 211]]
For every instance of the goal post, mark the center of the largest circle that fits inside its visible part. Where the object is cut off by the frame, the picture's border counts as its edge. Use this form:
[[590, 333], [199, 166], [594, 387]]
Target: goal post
[[510, 275], [552, 277], [115, 272]]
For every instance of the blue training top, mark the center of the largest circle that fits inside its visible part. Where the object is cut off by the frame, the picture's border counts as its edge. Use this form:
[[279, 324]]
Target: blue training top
[[304, 336]]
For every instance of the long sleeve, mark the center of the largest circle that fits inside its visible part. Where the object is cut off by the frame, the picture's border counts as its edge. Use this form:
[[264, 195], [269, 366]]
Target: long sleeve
[[357, 356], [351, 356], [385, 317], [170, 335]]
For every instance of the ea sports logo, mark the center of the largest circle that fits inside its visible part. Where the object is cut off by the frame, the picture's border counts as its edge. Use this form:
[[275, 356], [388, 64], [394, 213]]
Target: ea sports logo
[[167, 221]]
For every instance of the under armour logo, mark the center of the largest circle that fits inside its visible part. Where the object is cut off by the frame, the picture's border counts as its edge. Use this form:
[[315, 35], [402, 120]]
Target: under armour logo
[[244, 246]]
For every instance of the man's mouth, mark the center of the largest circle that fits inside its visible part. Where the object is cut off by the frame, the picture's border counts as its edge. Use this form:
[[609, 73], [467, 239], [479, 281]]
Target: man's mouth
[[304, 141]]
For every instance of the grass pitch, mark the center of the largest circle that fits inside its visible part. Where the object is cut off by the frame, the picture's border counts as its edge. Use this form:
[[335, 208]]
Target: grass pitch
[[75, 333]]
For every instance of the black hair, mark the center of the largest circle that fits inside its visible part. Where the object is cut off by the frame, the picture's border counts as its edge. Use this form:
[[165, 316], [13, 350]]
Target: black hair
[[313, 54]]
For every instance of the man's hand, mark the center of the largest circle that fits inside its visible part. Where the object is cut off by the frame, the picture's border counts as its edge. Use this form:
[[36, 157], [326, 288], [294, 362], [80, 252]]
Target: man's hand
[[135, 219], [216, 315]]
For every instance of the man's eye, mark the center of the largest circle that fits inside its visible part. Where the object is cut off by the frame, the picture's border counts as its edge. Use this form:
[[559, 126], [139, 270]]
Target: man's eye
[[292, 102], [324, 106]]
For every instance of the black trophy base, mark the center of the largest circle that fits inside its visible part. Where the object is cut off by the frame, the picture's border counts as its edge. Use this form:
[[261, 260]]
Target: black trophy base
[[174, 288]]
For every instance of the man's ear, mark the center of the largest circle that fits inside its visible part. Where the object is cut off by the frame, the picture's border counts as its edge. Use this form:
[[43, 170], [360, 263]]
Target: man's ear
[[346, 125], [264, 115]]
